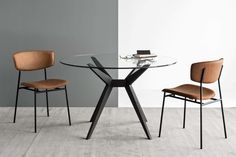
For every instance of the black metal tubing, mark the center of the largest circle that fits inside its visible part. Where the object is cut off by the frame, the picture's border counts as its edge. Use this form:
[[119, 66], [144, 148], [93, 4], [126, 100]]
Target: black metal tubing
[[162, 111], [42, 91], [194, 101], [110, 84], [35, 112], [67, 104], [17, 94], [201, 93], [184, 113], [36, 91], [197, 102], [45, 76], [221, 103]]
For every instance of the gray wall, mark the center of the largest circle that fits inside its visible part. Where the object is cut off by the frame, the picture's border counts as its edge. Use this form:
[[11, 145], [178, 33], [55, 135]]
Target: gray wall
[[67, 26]]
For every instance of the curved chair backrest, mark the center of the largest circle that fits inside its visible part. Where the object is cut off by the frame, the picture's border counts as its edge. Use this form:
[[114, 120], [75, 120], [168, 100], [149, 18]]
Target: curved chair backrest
[[33, 60], [211, 73]]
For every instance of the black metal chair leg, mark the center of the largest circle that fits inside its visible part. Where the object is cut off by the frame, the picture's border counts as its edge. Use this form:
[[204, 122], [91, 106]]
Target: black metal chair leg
[[103, 101], [223, 117], [201, 125], [17, 94], [184, 113], [162, 111], [35, 112], [47, 103], [67, 104], [16, 103], [222, 109]]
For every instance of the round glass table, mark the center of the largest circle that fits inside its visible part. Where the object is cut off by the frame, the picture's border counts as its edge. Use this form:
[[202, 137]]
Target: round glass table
[[98, 63], [125, 61]]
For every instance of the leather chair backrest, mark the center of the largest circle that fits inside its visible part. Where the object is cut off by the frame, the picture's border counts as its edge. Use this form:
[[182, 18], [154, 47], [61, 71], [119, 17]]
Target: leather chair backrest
[[33, 60], [212, 71]]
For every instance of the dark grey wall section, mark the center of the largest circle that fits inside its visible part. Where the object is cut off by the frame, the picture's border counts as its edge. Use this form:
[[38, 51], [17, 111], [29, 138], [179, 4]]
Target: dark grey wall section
[[67, 26]]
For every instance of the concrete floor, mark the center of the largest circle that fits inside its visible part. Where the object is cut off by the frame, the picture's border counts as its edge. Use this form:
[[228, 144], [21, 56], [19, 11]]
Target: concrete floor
[[118, 133]]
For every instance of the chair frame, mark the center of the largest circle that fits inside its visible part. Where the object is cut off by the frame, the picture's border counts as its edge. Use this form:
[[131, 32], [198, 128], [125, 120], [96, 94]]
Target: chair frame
[[37, 91], [200, 102]]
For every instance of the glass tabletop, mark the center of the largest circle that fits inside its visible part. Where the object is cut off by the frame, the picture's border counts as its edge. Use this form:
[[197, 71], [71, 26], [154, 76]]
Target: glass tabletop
[[109, 61]]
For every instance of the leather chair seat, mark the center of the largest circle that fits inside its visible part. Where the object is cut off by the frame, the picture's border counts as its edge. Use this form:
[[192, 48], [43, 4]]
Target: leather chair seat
[[191, 91], [45, 84]]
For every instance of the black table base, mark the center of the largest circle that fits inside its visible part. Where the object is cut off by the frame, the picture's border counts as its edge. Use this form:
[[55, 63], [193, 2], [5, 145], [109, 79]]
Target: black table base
[[110, 83]]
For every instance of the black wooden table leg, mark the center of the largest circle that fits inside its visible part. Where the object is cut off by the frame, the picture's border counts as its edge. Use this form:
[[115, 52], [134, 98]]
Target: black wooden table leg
[[105, 77], [110, 83], [137, 104], [98, 104], [134, 101], [102, 102]]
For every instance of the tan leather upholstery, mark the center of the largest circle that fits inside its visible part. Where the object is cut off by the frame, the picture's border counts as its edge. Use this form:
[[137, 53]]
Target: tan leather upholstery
[[191, 91], [212, 71], [36, 60], [211, 74], [33, 60], [45, 84], [201, 72]]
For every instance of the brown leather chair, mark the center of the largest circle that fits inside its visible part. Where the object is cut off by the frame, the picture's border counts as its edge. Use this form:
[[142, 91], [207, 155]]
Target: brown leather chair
[[37, 60], [202, 72]]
